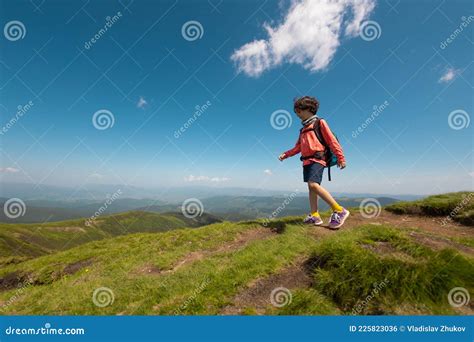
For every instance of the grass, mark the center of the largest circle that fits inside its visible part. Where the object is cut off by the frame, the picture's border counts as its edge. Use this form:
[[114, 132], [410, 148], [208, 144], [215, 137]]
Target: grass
[[374, 269], [117, 264], [365, 270], [458, 206], [22, 241], [309, 302]]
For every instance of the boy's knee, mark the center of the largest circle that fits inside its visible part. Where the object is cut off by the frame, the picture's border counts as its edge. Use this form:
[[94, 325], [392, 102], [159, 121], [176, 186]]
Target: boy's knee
[[313, 186]]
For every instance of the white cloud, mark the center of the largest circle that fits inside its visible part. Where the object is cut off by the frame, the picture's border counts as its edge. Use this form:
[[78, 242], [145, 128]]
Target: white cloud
[[141, 102], [449, 75], [192, 178], [309, 35], [96, 176], [268, 172], [8, 170]]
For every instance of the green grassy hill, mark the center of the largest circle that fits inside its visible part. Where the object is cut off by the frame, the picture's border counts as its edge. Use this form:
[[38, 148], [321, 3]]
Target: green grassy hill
[[378, 265], [23, 241], [457, 206]]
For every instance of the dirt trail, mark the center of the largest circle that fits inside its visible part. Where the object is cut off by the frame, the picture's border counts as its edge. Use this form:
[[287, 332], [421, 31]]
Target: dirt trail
[[257, 294], [429, 231], [242, 239]]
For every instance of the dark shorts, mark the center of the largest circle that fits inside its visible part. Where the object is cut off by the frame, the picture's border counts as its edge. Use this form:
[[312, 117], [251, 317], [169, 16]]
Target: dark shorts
[[313, 173]]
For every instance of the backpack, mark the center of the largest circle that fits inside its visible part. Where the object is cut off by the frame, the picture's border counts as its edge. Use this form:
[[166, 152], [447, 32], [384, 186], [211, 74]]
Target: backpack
[[329, 157]]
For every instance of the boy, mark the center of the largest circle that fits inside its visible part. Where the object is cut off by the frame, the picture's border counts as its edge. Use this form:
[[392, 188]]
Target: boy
[[313, 156]]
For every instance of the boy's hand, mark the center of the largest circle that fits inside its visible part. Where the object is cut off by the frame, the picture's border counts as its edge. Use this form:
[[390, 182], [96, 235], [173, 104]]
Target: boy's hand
[[341, 165], [282, 156]]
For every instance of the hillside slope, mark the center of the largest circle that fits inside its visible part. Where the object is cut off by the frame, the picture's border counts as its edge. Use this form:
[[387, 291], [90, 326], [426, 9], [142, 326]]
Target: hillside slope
[[234, 268], [23, 241], [455, 206]]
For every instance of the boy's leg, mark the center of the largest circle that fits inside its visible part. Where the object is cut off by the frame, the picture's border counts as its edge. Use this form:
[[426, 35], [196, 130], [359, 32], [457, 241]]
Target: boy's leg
[[313, 199], [325, 195], [313, 217], [339, 214]]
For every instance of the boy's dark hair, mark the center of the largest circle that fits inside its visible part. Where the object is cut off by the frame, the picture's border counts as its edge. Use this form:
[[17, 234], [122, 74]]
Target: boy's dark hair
[[306, 102]]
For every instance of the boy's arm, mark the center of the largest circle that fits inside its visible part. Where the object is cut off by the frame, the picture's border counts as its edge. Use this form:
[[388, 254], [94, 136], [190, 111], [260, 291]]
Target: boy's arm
[[332, 141], [293, 151]]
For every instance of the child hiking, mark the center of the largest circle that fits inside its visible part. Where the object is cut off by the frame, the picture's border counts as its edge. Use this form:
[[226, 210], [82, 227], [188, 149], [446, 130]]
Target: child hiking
[[317, 145]]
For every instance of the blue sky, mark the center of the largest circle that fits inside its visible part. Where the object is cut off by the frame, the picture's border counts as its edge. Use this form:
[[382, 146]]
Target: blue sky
[[150, 78]]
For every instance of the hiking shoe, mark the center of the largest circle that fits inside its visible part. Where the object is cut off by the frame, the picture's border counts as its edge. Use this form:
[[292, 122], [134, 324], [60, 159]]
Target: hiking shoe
[[338, 218], [310, 219]]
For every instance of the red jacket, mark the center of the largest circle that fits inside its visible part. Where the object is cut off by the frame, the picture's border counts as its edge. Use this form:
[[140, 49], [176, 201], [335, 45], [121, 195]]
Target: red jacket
[[308, 144]]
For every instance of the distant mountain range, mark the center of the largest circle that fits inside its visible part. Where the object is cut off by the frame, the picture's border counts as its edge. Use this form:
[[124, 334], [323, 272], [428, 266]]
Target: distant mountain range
[[37, 210], [52, 203], [231, 208], [236, 208], [97, 192]]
